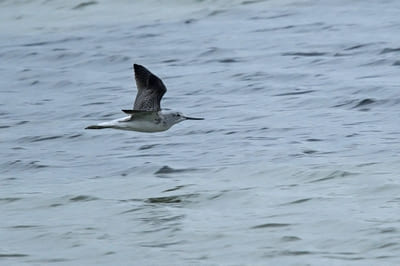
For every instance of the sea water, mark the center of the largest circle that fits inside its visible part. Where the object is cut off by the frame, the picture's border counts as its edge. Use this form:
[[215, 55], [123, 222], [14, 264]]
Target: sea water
[[296, 162]]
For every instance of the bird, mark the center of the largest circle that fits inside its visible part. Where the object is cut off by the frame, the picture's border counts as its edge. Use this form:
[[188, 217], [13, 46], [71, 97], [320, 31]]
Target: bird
[[146, 115]]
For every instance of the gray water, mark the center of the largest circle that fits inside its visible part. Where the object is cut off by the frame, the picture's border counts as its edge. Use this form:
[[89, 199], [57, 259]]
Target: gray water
[[296, 162]]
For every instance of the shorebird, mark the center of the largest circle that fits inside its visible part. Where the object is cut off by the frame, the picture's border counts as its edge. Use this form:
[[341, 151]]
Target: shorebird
[[146, 115]]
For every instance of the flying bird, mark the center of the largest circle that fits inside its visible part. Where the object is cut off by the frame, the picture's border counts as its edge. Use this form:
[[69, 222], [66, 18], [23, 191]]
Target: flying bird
[[146, 115]]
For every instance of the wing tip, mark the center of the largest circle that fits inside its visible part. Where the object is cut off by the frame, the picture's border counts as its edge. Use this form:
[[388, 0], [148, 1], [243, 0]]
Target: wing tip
[[127, 111]]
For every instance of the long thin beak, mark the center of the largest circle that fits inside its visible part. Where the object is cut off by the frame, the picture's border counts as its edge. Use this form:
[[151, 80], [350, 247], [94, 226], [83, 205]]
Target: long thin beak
[[193, 118]]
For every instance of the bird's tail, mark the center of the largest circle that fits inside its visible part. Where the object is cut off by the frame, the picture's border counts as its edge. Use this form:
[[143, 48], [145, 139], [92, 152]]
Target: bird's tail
[[96, 127]]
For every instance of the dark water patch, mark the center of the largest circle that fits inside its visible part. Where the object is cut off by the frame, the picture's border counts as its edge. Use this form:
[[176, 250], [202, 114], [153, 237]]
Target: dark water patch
[[216, 12], [11, 166], [290, 238], [35, 44], [228, 60], [108, 115], [295, 252], [341, 257], [334, 175], [12, 255], [298, 201], [345, 103], [364, 102], [59, 49], [313, 140], [54, 205], [309, 151], [38, 138], [272, 17], [275, 28], [109, 253], [396, 63], [342, 54], [147, 147], [270, 225], [55, 260], [355, 47], [131, 210], [95, 103], [172, 199], [1, 127], [378, 62], [23, 226], [216, 196], [64, 40], [190, 21], [163, 245], [256, 76], [307, 54], [387, 245], [174, 188], [9, 200], [84, 5], [388, 230], [148, 35], [369, 77], [74, 136], [390, 50], [83, 198], [167, 61], [168, 170], [249, 2], [295, 93]]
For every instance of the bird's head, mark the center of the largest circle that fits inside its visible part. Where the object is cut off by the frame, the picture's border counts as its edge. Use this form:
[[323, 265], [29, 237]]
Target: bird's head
[[176, 117]]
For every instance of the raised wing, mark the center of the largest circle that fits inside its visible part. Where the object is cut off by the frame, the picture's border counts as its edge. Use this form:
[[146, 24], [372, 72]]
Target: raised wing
[[150, 90]]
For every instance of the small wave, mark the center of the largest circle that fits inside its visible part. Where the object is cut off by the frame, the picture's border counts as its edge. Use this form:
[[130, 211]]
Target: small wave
[[83, 198], [174, 188], [270, 225], [295, 93], [364, 102], [39, 138], [9, 200], [172, 199], [355, 47], [64, 40], [168, 170], [310, 54], [290, 238], [12, 255], [298, 201], [334, 175], [390, 50], [84, 4]]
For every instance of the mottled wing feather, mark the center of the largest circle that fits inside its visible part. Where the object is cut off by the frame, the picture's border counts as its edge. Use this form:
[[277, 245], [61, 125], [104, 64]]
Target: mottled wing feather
[[150, 90], [141, 115]]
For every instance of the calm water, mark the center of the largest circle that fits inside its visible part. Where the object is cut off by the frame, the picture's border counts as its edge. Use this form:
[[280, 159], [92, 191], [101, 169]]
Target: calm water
[[297, 162]]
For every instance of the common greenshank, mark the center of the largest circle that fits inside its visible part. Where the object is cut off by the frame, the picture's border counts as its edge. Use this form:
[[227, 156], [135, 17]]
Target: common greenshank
[[146, 115]]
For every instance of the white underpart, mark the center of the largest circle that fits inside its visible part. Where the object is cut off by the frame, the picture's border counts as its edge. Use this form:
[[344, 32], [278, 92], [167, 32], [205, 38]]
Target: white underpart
[[135, 125]]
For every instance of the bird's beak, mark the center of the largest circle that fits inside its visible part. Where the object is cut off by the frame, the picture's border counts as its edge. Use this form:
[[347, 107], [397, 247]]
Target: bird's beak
[[193, 118]]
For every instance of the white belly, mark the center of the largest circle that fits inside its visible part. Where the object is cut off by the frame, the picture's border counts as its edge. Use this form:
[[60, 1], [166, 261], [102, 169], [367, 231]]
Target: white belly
[[136, 125]]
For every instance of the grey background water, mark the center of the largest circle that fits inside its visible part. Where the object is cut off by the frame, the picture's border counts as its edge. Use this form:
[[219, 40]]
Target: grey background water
[[297, 162]]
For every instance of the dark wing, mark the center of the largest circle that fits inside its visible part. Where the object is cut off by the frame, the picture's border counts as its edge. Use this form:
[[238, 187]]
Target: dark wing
[[150, 90]]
